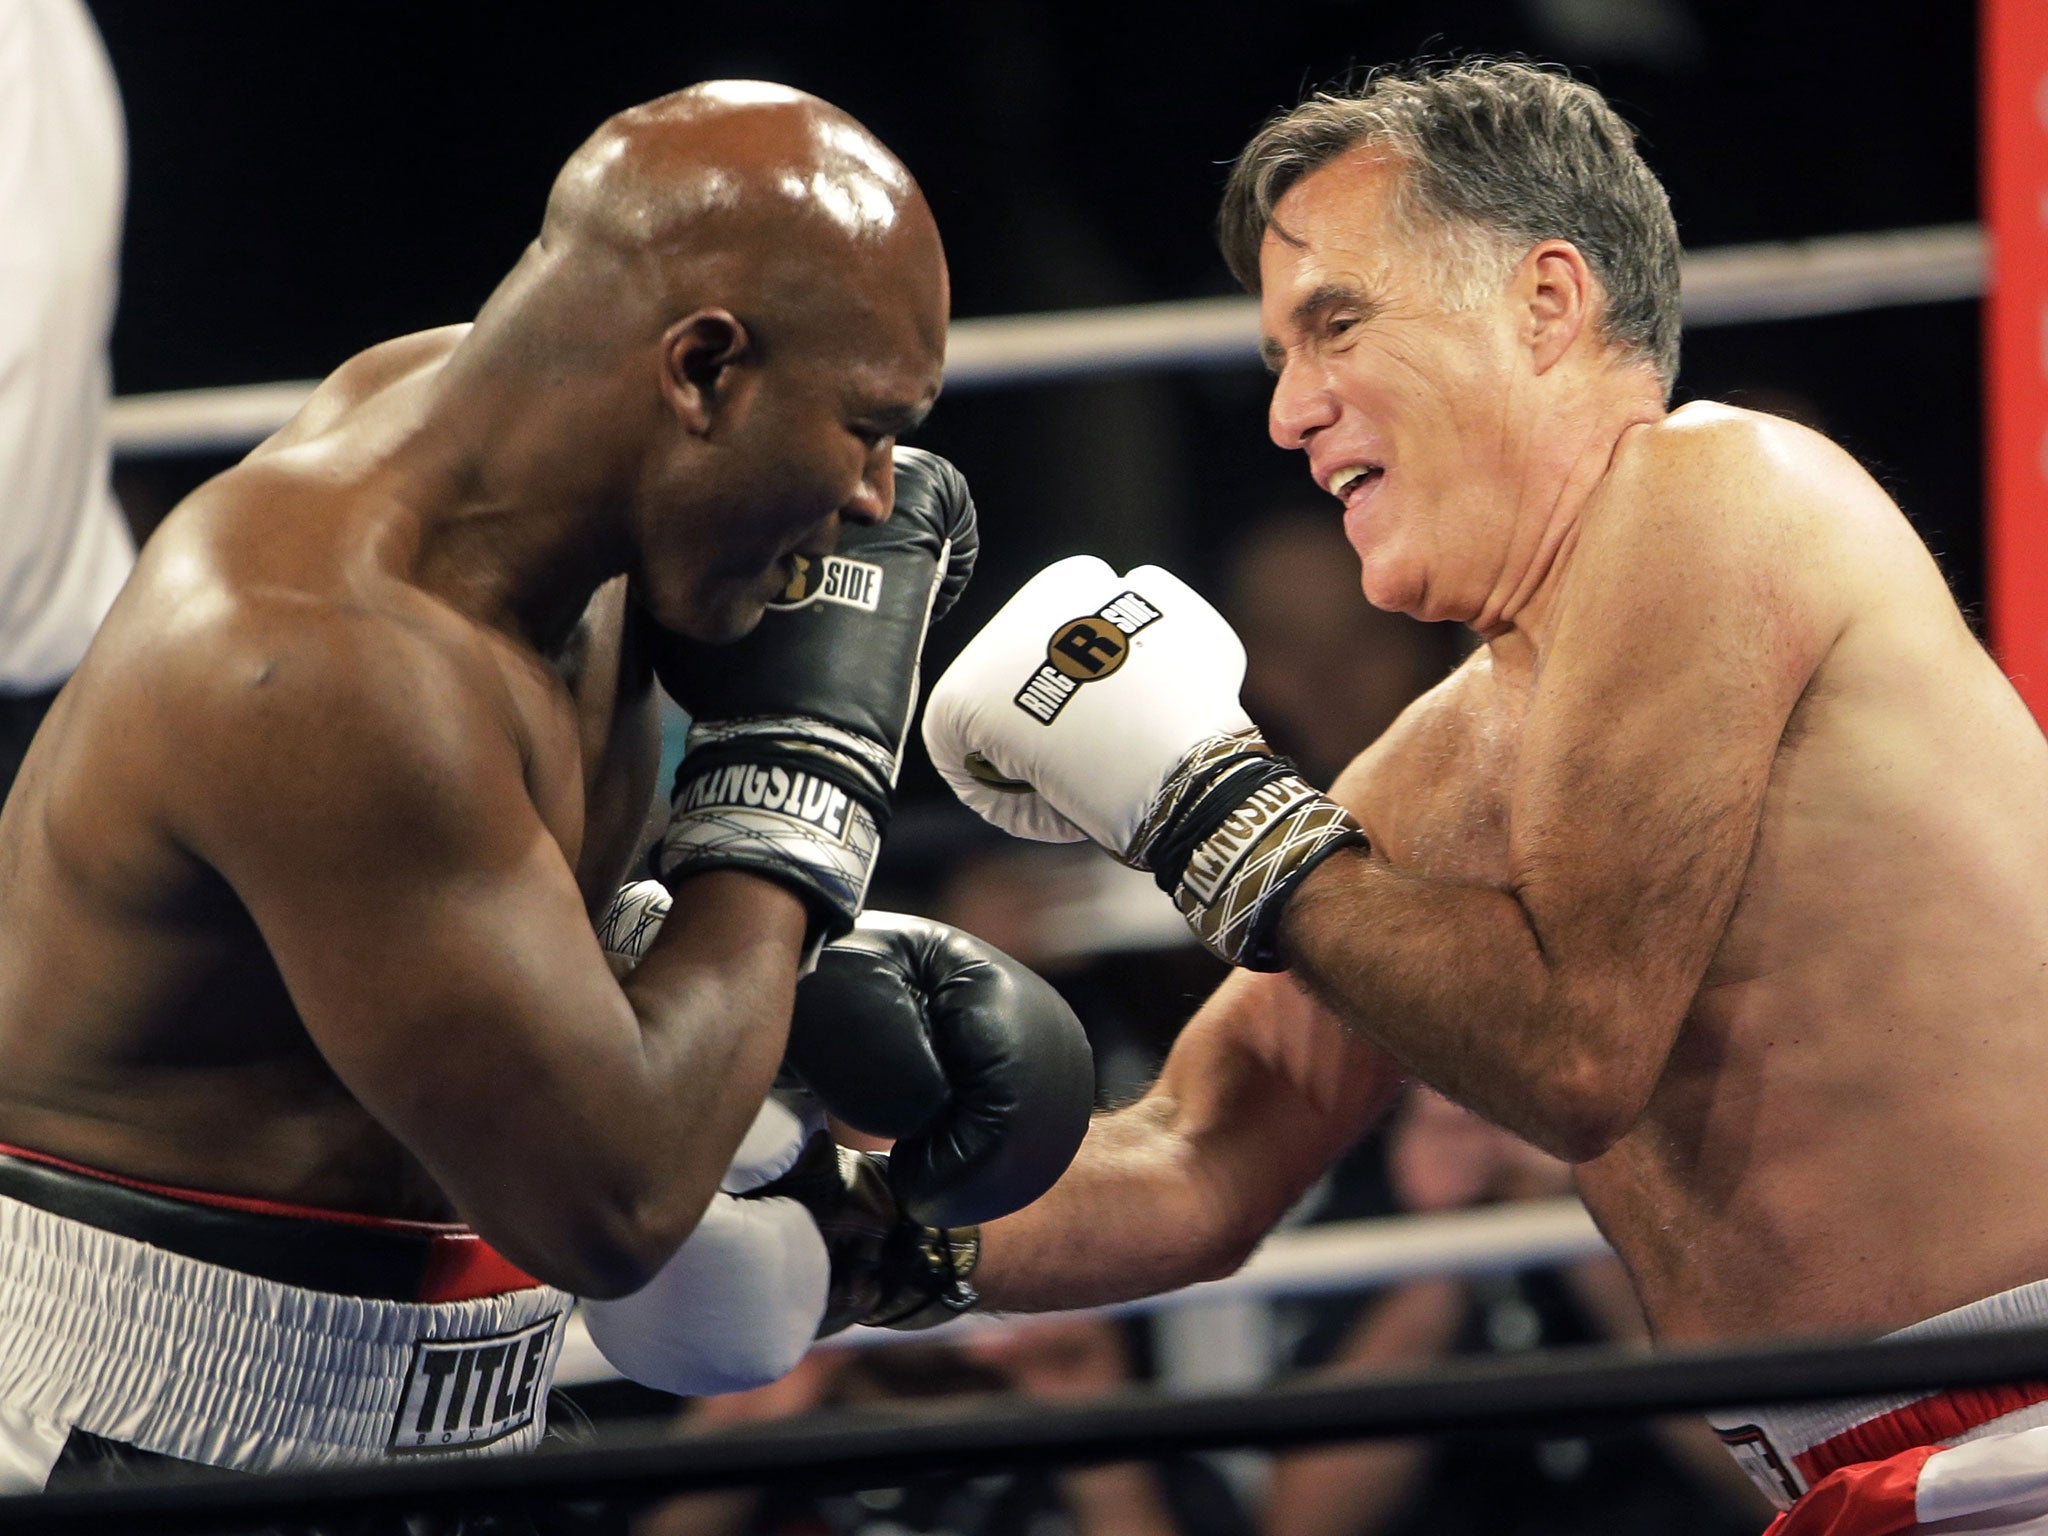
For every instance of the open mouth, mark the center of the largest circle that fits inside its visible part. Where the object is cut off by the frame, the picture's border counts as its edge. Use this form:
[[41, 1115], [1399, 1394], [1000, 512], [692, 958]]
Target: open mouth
[[1355, 477]]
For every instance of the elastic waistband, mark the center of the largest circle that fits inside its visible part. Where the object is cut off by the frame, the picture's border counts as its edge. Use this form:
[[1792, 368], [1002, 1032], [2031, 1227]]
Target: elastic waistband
[[150, 1348], [340, 1252], [1787, 1449]]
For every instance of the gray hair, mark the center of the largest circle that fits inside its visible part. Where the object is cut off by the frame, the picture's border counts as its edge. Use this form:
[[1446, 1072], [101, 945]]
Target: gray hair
[[1498, 155]]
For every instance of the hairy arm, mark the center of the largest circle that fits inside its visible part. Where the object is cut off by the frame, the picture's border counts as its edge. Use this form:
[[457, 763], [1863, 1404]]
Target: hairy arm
[[1259, 1094], [366, 794], [1699, 604]]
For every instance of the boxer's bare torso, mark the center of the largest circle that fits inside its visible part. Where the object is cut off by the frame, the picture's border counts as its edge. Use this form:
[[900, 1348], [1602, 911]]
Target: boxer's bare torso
[[144, 1027], [1844, 1134], [1723, 872]]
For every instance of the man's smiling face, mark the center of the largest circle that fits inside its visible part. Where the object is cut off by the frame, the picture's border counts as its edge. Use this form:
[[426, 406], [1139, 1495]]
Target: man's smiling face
[[1402, 402]]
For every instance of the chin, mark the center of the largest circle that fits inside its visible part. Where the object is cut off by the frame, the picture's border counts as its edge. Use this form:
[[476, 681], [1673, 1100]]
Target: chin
[[709, 620], [725, 624], [1390, 588]]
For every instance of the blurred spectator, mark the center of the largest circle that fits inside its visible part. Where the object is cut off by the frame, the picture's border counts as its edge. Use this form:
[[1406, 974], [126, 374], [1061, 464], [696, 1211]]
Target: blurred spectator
[[1325, 671], [64, 549], [1671, 1479], [1063, 1359]]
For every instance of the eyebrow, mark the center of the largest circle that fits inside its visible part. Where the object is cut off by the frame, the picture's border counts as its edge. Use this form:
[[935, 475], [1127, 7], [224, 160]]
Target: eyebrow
[[1313, 306], [896, 420]]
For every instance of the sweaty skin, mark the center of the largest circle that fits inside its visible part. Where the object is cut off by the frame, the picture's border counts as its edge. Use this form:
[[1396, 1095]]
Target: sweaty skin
[[295, 886], [1720, 869]]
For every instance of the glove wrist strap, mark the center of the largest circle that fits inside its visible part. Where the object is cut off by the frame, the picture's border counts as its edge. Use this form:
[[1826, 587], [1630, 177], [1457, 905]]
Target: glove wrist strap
[[1233, 832], [796, 800], [938, 1275]]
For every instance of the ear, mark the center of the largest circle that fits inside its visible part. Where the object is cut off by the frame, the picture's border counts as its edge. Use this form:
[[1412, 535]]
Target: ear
[[699, 354], [1560, 291]]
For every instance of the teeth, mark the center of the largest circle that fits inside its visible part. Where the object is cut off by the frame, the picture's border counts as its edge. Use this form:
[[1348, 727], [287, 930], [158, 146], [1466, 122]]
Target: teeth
[[1344, 479]]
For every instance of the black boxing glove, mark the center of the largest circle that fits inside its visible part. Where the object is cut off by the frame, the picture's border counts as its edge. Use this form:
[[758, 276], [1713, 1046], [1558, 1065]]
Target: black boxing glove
[[910, 1029], [967, 1059], [797, 730], [888, 1270]]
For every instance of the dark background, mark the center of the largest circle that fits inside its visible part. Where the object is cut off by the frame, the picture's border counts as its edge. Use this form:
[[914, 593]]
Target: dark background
[[310, 178]]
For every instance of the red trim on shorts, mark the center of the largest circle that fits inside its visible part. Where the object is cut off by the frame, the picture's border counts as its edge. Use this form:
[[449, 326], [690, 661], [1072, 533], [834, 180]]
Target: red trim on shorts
[[1924, 1423], [460, 1265], [463, 1267], [1872, 1498]]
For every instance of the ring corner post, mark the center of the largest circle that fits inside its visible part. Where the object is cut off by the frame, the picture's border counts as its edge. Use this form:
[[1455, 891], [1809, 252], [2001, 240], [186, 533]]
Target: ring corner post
[[2013, 124]]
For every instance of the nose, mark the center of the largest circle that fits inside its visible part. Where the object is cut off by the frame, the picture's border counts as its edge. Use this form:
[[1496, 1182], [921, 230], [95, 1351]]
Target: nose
[[875, 497], [1300, 406]]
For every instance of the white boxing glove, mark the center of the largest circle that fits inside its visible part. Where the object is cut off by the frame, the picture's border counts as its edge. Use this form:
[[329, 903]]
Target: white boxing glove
[[742, 1299], [1105, 706]]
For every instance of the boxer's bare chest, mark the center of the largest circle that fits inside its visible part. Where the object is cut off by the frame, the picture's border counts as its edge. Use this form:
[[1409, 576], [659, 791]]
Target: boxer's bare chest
[[598, 743], [1437, 792], [190, 985]]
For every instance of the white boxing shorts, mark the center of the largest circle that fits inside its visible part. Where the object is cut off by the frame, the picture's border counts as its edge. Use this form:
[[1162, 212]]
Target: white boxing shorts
[[254, 1336], [1974, 1459]]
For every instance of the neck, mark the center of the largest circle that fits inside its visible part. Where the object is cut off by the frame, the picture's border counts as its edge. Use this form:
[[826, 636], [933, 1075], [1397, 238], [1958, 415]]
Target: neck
[[517, 476], [1571, 454]]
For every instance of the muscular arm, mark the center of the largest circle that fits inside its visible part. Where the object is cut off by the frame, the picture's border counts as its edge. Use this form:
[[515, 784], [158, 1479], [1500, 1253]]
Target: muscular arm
[[1259, 1093], [370, 799], [1700, 600]]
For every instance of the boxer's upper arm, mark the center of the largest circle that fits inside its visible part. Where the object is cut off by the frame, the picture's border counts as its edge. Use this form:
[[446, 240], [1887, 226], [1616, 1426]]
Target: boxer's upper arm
[[1698, 607], [368, 803]]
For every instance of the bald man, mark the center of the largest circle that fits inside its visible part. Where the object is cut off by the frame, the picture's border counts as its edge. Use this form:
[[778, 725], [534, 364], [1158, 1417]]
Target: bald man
[[297, 968]]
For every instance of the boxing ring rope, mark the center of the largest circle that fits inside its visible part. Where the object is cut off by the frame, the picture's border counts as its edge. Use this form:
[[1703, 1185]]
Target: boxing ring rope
[[1730, 285], [1551, 1392], [1307, 1261]]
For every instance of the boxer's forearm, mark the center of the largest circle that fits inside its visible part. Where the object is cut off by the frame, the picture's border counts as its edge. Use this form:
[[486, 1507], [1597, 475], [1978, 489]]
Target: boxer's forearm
[[1136, 1213], [713, 996], [1451, 980], [1259, 1093], [711, 999]]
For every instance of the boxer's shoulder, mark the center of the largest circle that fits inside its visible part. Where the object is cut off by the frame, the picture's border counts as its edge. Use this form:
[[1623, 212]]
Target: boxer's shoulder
[[1735, 475], [281, 693], [361, 379], [1714, 509]]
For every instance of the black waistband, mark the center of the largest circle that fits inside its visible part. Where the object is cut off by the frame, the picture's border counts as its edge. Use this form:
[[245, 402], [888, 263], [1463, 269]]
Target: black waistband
[[376, 1263]]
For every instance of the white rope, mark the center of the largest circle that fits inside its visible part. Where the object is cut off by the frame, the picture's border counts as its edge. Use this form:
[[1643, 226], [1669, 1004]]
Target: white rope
[[204, 420], [1838, 275], [1356, 1255], [1727, 286], [1306, 1261]]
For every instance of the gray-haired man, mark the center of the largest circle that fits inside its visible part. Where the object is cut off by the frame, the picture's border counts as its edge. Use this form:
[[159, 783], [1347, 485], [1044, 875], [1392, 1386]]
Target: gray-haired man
[[1720, 870]]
